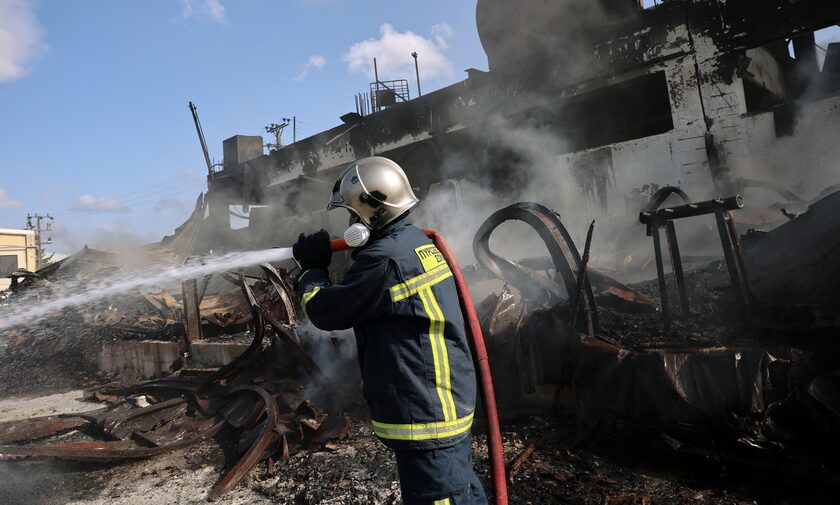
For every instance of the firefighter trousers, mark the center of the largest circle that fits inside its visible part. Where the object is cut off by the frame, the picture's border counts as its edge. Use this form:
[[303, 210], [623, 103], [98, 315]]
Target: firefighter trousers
[[440, 476]]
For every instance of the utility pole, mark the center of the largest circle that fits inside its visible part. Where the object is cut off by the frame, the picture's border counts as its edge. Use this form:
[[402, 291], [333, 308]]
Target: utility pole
[[417, 72], [277, 130], [376, 76], [39, 229]]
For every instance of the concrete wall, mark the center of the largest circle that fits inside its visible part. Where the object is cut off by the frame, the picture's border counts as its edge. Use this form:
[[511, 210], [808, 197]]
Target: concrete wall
[[806, 162], [145, 359], [19, 244]]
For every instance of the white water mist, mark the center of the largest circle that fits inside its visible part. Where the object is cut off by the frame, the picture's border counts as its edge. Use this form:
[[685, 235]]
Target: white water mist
[[75, 293]]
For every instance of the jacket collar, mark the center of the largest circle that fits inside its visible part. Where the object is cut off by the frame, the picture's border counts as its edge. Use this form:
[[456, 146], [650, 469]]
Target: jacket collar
[[391, 228]]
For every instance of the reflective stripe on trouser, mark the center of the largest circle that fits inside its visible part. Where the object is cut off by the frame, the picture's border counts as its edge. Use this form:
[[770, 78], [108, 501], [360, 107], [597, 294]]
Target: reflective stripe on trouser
[[423, 431], [445, 501]]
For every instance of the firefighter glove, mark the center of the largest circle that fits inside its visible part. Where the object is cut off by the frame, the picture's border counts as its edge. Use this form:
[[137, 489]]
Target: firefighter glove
[[313, 251]]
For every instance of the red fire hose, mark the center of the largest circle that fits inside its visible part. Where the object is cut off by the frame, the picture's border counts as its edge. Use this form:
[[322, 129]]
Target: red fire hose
[[482, 364]]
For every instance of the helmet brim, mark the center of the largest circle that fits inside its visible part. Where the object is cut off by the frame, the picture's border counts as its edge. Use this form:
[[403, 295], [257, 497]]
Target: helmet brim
[[337, 202]]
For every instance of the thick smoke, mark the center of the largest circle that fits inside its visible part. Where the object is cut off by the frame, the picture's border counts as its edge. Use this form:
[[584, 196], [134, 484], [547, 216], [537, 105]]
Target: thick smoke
[[537, 172], [335, 354], [558, 35], [807, 163]]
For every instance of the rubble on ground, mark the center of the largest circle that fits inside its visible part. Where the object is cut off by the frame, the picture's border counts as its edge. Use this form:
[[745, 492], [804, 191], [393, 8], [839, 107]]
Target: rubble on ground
[[601, 401], [254, 394], [720, 384]]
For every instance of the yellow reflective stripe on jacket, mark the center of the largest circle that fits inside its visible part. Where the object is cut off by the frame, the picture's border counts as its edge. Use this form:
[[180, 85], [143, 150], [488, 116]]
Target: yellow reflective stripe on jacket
[[301, 276], [423, 431], [445, 501], [440, 356], [415, 284], [308, 296]]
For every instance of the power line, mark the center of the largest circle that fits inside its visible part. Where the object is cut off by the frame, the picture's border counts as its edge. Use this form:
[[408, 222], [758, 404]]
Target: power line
[[311, 124], [164, 190], [137, 201], [160, 188], [16, 247], [190, 176], [150, 200]]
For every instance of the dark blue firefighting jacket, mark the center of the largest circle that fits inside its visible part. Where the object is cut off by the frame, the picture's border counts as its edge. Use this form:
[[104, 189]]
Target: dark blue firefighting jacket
[[400, 298]]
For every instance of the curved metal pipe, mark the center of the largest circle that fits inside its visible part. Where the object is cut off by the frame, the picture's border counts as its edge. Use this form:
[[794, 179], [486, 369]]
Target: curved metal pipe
[[560, 246], [662, 194]]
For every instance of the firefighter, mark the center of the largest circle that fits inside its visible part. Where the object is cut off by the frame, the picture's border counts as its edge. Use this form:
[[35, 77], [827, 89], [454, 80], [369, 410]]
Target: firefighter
[[400, 299]]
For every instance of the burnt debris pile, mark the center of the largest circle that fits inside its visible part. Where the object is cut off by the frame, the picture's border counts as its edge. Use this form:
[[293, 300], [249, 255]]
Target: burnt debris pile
[[745, 372], [730, 359], [100, 314], [257, 397]]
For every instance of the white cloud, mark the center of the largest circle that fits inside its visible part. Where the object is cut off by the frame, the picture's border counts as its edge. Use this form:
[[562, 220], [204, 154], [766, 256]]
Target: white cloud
[[393, 49], [20, 39], [315, 62], [210, 9], [441, 33], [6, 202], [89, 203]]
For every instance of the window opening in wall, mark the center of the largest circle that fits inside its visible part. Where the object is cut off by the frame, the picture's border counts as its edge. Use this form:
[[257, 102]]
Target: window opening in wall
[[822, 39], [8, 264], [766, 77], [632, 109], [806, 67], [827, 42]]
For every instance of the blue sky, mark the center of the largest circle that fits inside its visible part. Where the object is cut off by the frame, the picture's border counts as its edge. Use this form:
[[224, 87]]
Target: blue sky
[[94, 125]]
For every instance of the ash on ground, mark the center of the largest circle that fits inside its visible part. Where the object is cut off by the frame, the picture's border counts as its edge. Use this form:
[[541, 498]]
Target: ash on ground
[[615, 466]]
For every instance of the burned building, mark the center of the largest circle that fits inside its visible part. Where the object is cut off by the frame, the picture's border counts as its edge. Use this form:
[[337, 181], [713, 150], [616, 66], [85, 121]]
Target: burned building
[[698, 94], [611, 108]]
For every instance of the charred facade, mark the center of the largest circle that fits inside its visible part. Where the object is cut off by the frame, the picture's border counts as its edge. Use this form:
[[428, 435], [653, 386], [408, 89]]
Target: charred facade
[[682, 94]]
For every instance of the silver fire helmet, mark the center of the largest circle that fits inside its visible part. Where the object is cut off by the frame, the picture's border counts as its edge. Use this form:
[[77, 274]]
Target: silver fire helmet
[[374, 189]]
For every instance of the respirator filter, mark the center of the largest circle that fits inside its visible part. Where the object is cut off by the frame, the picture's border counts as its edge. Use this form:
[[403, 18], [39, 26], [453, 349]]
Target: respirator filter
[[357, 235]]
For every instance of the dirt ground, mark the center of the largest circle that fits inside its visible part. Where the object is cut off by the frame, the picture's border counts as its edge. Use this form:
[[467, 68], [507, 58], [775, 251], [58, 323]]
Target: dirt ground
[[618, 465]]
